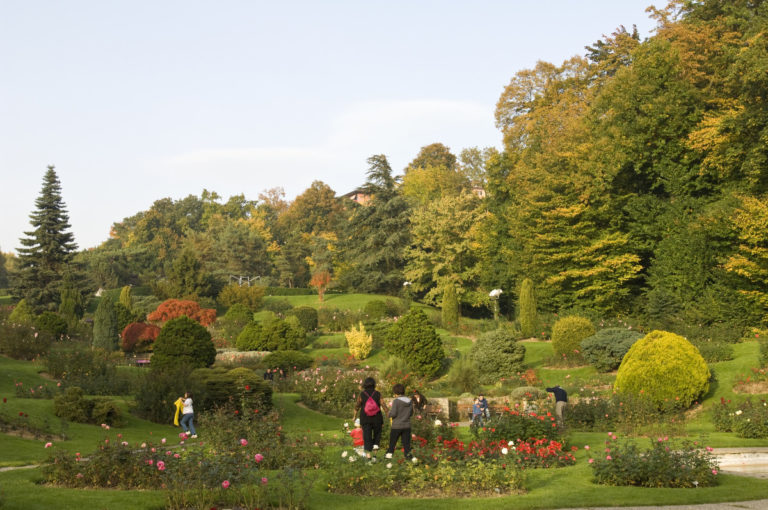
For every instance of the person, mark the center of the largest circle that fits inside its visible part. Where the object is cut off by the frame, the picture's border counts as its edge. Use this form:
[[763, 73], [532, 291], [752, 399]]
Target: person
[[188, 416], [484, 406], [400, 412], [561, 402], [419, 402], [477, 413], [371, 417], [357, 438]]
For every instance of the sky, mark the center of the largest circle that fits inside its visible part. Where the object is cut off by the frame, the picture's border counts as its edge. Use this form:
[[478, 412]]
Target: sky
[[134, 101]]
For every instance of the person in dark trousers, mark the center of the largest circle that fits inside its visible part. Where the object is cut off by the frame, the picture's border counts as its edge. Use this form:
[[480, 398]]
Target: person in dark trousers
[[561, 402], [400, 412], [477, 413], [484, 406], [370, 416], [419, 402]]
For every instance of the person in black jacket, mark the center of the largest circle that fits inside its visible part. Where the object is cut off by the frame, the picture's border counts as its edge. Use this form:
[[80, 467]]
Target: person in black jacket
[[370, 423], [561, 402]]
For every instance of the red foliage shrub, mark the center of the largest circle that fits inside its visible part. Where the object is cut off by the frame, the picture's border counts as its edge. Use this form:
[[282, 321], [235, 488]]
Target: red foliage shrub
[[138, 335], [173, 308]]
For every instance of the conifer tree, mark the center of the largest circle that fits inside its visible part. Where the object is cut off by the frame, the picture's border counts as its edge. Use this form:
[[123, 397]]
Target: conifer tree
[[450, 308], [105, 327], [126, 297], [528, 314], [47, 250]]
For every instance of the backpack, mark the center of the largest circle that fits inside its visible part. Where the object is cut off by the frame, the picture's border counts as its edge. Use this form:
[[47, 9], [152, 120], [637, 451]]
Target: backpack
[[371, 408]]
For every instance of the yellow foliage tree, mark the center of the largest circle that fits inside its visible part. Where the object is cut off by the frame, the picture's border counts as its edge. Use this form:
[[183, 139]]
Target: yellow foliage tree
[[360, 343]]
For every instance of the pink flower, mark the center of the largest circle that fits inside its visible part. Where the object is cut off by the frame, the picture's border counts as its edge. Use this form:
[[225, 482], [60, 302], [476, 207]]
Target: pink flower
[[243, 442], [160, 465], [258, 457], [586, 447], [162, 440], [709, 448], [608, 457], [714, 471], [591, 461], [264, 480], [225, 484], [48, 445], [176, 455], [150, 462]]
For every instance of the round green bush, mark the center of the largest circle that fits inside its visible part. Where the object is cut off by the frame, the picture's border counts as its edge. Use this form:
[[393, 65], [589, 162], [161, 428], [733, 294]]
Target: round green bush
[[498, 354], [307, 317], [606, 348], [376, 309], [53, 323], [248, 339], [414, 339], [568, 333], [288, 361], [183, 341], [239, 387], [664, 367], [238, 314], [279, 306]]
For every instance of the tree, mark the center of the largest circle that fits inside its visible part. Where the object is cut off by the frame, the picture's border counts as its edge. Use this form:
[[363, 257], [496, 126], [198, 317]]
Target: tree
[[186, 278], [435, 155], [47, 250], [3, 272], [105, 327], [450, 308], [414, 339], [529, 318], [126, 297], [320, 280]]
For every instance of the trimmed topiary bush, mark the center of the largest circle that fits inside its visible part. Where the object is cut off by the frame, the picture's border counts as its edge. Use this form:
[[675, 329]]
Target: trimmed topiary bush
[[498, 354], [22, 314], [71, 405], [414, 339], [249, 338], [450, 308], [183, 341], [52, 323], [288, 361], [238, 314], [360, 343], [568, 333], [664, 367], [605, 349], [307, 317], [529, 318], [376, 309]]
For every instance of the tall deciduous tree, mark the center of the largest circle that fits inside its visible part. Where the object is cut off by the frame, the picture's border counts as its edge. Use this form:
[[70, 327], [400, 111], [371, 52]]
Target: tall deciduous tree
[[47, 250]]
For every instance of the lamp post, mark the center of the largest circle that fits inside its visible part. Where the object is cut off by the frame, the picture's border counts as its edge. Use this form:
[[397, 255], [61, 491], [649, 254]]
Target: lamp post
[[494, 295]]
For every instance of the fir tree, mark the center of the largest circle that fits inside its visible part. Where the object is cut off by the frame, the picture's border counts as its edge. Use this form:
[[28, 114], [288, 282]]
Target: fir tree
[[105, 326], [47, 250]]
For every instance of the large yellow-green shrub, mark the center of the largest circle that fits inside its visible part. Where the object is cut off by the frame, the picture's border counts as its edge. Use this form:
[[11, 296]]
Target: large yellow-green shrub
[[568, 332], [360, 343], [664, 367]]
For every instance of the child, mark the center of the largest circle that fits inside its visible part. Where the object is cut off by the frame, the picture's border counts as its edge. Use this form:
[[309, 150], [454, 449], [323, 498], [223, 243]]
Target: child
[[477, 413], [357, 438], [400, 412]]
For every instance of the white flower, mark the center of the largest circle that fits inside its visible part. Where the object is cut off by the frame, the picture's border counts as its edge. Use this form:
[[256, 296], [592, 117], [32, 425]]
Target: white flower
[[504, 451], [438, 423], [346, 425], [415, 460], [389, 465], [405, 284], [511, 443], [738, 412], [344, 454], [495, 293], [352, 459]]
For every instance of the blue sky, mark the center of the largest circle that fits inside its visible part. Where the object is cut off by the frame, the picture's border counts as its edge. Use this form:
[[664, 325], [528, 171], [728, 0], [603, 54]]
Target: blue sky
[[138, 100]]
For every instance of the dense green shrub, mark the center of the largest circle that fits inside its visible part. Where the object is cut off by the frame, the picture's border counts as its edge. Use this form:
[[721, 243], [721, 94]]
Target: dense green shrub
[[568, 333], [378, 331], [288, 361], [249, 296], [605, 349], [415, 340], [498, 354], [21, 341], [22, 314], [395, 307], [664, 367], [529, 319], [307, 317], [240, 388], [157, 390], [450, 308], [51, 323], [126, 316], [665, 464], [72, 405], [95, 371], [183, 341], [239, 314], [249, 338], [463, 376], [713, 351], [278, 306], [375, 310]]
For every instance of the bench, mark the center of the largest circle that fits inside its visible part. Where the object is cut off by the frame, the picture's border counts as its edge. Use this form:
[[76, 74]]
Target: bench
[[141, 362]]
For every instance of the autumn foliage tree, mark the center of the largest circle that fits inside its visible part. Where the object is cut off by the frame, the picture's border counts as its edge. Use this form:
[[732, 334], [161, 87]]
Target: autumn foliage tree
[[320, 280], [173, 308], [138, 337]]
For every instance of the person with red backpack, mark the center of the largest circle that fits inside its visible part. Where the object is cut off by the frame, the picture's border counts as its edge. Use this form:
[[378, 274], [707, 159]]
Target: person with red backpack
[[371, 418]]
